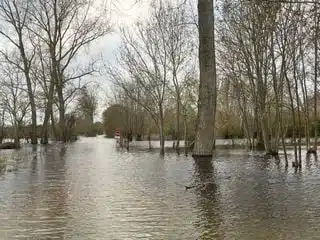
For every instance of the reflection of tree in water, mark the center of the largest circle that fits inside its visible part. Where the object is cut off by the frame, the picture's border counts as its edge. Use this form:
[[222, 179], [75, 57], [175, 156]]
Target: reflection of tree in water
[[30, 199], [206, 188], [34, 162], [43, 203], [55, 192]]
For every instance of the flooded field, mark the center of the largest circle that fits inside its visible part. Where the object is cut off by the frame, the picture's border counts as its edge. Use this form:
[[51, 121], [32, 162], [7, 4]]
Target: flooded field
[[92, 190]]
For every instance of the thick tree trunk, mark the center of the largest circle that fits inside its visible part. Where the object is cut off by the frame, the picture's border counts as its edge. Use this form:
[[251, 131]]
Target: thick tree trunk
[[161, 128], [204, 142], [315, 144], [177, 146]]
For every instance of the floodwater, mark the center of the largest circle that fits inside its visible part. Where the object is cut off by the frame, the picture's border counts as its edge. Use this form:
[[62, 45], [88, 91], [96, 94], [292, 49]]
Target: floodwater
[[91, 190]]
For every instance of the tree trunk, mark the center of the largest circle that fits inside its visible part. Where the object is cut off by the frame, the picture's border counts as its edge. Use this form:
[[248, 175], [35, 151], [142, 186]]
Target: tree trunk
[[204, 141], [62, 124], [44, 133], [177, 146], [265, 135], [34, 138], [316, 77], [259, 143], [276, 128], [293, 121], [296, 88], [2, 127], [260, 140], [53, 125], [44, 130], [161, 127], [250, 143], [186, 144], [17, 135], [149, 141], [305, 97], [275, 138]]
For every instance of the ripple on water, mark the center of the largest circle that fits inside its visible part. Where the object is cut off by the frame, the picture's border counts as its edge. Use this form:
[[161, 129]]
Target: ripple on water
[[91, 190]]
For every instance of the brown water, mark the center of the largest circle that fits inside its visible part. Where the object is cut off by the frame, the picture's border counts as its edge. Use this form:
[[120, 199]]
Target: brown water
[[91, 190]]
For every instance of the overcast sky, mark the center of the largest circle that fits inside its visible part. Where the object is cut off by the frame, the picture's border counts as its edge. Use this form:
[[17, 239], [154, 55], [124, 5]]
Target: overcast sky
[[124, 13]]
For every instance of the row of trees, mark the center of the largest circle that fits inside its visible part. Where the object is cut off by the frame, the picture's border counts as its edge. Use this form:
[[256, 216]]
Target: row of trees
[[156, 65], [267, 70], [268, 60], [42, 73], [15, 122]]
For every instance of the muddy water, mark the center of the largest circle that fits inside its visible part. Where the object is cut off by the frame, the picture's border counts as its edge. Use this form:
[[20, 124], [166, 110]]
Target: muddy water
[[91, 190]]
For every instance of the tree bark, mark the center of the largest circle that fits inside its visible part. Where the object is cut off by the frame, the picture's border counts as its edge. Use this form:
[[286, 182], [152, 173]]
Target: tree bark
[[17, 135], [62, 134], [204, 142], [34, 138], [44, 130], [293, 121], [303, 84], [161, 120], [2, 126], [316, 78], [178, 124], [53, 125], [186, 144], [296, 88]]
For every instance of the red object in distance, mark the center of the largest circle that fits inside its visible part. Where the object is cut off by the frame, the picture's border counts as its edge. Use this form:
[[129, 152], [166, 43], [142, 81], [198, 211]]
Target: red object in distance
[[118, 132]]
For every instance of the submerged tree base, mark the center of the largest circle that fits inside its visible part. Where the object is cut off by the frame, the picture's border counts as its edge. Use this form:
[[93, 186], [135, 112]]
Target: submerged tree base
[[312, 151], [202, 156], [296, 165], [259, 146], [272, 153]]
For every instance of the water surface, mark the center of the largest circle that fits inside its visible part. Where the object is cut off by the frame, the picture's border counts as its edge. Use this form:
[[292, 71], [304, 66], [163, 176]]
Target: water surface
[[92, 190]]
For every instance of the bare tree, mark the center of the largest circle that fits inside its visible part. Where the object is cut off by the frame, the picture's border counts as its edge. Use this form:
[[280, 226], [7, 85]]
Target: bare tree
[[144, 66], [41, 72], [66, 27], [14, 98], [172, 22], [15, 20], [316, 69]]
